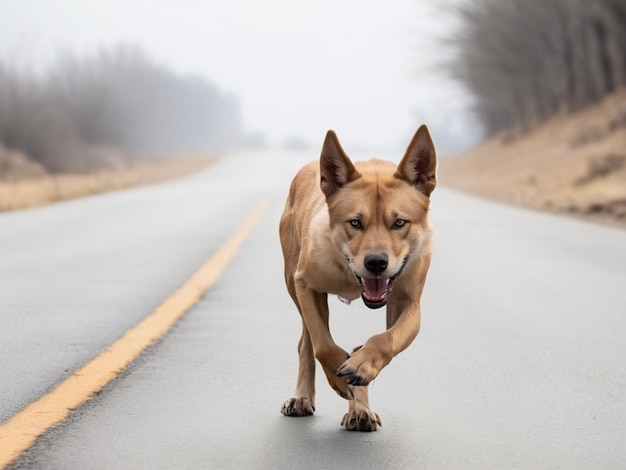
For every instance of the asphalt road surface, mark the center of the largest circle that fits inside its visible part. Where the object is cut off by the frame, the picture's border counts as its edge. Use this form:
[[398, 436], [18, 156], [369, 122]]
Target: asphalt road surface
[[520, 362]]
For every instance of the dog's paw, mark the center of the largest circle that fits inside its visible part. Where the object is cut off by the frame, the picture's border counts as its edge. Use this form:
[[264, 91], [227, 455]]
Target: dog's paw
[[359, 369], [297, 407], [364, 420], [352, 375]]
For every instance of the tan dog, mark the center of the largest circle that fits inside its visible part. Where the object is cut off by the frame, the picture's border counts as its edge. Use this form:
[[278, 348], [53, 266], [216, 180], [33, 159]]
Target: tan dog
[[356, 229]]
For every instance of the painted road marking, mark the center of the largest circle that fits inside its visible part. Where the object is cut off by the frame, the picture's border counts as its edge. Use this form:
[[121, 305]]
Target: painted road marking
[[23, 429]]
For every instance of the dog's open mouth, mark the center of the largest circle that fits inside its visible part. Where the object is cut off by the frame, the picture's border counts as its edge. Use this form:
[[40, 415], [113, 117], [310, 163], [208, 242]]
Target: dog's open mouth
[[375, 291]]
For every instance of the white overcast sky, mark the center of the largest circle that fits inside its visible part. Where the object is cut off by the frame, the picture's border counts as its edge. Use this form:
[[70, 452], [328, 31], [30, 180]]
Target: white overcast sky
[[368, 69]]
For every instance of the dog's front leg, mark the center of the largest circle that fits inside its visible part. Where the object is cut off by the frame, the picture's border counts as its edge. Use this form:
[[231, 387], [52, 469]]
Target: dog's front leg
[[367, 361], [314, 309]]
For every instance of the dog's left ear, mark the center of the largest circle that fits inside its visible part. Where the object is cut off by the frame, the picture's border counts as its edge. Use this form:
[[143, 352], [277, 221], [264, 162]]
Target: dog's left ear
[[419, 164], [336, 169]]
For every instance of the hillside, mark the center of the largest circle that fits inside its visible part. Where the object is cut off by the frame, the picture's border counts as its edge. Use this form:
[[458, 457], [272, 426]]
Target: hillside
[[574, 164], [24, 183]]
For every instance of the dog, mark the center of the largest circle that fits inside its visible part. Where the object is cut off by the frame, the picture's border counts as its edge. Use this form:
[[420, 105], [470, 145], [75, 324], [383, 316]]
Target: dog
[[356, 229]]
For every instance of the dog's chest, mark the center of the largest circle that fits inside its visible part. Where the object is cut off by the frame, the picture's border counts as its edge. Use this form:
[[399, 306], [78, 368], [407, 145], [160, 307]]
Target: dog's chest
[[331, 276]]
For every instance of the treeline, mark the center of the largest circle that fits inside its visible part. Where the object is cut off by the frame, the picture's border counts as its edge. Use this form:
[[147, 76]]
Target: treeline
[[527, 60], [86, 113]]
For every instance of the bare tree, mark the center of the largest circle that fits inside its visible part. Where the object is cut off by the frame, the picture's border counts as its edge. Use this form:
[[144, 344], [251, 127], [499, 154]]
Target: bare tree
[[526, 60], [116, 99]]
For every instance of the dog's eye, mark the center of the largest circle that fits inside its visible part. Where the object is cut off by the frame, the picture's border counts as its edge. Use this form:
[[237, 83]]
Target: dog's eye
[[399, 223], [356, 223]]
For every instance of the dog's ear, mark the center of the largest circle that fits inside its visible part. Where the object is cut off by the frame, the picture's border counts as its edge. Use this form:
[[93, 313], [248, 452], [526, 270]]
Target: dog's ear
[[336, 169], [419, 164]]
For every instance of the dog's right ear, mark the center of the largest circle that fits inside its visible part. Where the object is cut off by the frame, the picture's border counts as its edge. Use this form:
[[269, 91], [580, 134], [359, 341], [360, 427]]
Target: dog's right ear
[[336, 169]]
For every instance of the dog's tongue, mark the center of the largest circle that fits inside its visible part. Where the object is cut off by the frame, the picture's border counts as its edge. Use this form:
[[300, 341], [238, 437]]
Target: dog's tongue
[[375, 289]]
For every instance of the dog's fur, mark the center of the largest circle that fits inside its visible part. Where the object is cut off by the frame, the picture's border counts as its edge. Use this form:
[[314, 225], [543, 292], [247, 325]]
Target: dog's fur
[[356, 230]]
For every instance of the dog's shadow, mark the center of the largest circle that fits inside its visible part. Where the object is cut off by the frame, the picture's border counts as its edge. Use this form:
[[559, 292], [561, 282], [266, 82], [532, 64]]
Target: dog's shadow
[[319, 442]]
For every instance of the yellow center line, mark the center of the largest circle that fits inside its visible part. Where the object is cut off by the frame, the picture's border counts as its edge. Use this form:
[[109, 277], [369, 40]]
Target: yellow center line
[[23, 429]]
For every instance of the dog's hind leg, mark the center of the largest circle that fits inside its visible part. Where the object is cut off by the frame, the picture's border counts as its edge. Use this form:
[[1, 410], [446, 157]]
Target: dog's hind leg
[[359, 416], [303, 401]]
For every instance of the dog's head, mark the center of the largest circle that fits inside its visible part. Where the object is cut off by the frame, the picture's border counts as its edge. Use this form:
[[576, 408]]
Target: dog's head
[[379, 211]]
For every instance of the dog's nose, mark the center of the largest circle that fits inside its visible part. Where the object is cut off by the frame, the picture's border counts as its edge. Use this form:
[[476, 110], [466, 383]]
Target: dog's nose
[[376, 264]]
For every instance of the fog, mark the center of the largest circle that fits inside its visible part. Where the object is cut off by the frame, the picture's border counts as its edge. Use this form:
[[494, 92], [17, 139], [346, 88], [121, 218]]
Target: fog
[[371, 71]]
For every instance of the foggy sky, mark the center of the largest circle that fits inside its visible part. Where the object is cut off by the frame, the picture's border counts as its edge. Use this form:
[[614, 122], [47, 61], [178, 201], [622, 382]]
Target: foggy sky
[[368, 69]]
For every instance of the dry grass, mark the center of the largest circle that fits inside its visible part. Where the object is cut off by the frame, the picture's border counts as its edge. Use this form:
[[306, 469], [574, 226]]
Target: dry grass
[[20, 192], [573, 164]]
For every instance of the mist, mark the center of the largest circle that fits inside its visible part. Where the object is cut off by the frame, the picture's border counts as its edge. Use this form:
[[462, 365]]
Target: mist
[[106, 109], [369, 71]]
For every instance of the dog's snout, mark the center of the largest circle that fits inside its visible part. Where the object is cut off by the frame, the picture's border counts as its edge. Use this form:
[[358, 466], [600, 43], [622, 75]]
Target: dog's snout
[[376, 264]]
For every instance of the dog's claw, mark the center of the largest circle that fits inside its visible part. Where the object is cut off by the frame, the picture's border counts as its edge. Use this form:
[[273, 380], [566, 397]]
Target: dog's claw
[[297, 407], [342, 371], [365, 421], [350, 376]]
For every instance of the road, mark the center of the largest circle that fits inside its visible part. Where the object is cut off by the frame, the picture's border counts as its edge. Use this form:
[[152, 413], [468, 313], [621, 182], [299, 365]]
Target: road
[[519, 364]]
